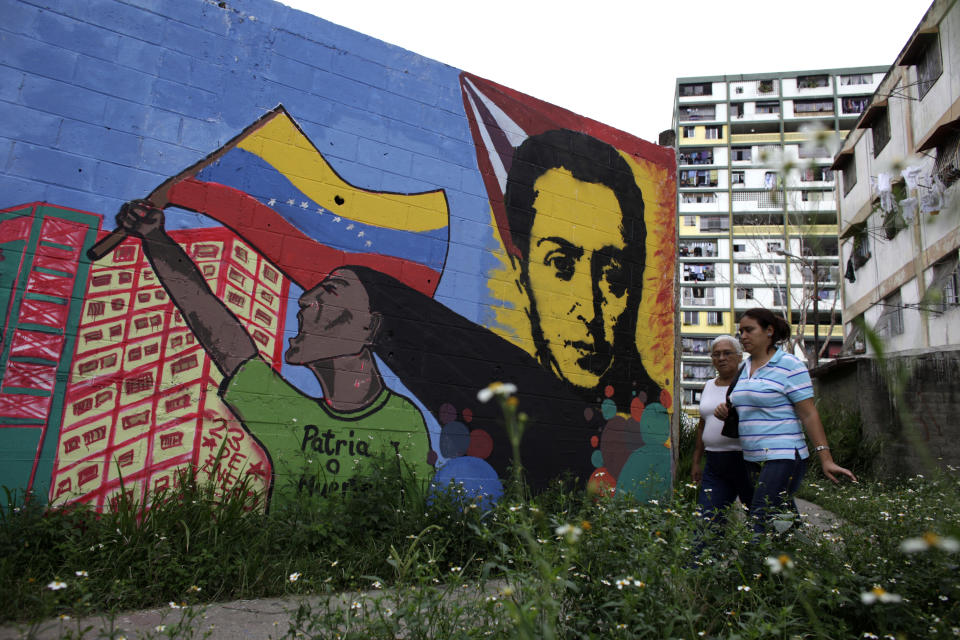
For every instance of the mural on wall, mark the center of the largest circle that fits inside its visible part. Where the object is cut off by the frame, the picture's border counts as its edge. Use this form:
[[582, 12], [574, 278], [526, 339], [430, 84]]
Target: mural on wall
[[281, 328], [593, 292]]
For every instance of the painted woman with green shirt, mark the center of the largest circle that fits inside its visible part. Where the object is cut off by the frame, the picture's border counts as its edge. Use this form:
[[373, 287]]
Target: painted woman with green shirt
[[315, 445]]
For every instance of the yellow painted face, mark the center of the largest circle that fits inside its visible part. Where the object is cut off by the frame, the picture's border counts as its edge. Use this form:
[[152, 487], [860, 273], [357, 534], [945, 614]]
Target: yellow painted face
[[576, 280]]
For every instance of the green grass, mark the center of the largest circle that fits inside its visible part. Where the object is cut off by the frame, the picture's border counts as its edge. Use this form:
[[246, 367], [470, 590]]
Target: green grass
[[562, 564], [631, 572]]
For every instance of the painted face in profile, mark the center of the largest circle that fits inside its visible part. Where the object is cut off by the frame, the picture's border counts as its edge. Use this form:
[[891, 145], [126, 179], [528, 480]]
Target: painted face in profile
[[334, 320], [575, 276]]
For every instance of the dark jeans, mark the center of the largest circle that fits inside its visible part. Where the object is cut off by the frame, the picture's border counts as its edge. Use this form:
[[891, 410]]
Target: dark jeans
[[725, 479], [775, 482]]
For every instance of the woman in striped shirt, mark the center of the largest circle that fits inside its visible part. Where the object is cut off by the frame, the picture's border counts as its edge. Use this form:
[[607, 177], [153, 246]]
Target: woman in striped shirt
[[774, 397]]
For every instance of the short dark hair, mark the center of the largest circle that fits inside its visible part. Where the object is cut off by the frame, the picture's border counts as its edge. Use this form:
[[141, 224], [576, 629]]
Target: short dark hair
[[589, 160], [769, 320]]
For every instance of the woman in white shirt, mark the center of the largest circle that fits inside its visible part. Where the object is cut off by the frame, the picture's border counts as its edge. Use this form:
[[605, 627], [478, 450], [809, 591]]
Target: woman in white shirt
[[724, 478]]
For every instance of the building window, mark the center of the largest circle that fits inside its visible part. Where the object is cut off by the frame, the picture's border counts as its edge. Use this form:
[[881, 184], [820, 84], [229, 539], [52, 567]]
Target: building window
[[691, 317], [698, 273], [697, 296], [770, 179], [698, 372], [774, 269], [881, 131], [766, 86], [948, 159], [714, 132], [816, 196], [736, 109], [689, 132], [738, 177], [698, 198], [861, 248], [773, 247], [744, 293], [816, 174], [780, 296], [689, 221], [821, 106], [714, 318], [691, 397], [696, 89], [856, 78], [744, 268], [696, 156], [811, 150], [698, 248], [695, 346], [812, 82], [930, 67], [699, 112], [714, 223], [698, 178], [739, 248], [849, 173], [855, 104], [740, 154], [769, 106], [946, 282], [891, 319]]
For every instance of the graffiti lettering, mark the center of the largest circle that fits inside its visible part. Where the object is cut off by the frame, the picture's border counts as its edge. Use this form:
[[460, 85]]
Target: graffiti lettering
[[327, 443]]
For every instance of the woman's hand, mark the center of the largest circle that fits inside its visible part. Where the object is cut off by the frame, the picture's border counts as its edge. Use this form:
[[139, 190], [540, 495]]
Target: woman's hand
[[141, 218], [696, 473], [831, 469], [722, 411]]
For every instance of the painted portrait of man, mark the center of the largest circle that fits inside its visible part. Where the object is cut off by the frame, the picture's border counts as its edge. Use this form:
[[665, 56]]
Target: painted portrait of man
[[575, 214]]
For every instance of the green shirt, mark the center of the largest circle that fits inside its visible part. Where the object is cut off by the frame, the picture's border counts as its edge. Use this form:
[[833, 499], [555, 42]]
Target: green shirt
[[314, 447]]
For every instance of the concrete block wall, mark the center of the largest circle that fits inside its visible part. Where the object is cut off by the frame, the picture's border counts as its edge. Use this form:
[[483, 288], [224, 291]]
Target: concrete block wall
[[915, 430], [359, 273]]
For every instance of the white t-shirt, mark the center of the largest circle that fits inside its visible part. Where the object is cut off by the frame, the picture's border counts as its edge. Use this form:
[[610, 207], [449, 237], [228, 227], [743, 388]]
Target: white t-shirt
[[713, 440]]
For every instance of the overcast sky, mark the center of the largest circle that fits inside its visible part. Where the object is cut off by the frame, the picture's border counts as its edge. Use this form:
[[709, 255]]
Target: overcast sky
[[617, 60]]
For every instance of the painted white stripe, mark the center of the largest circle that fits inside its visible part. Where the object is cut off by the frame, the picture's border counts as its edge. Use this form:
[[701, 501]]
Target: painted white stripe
[[515, 135]]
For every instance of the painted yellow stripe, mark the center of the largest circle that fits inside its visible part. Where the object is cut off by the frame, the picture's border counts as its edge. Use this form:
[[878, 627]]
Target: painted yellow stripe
[[281, 144]]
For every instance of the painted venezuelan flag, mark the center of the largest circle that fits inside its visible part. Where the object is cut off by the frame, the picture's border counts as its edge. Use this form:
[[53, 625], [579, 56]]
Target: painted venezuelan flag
[[274, 188]]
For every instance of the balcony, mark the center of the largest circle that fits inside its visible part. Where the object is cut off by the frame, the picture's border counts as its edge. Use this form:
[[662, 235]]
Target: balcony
[[693, 272], [699, 178], [697, 296], [698, 248], [695, 156], [754, 138]]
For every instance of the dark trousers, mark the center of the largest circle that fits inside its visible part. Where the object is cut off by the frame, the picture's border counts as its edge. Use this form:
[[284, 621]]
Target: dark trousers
[[725, 478], [775, 483]]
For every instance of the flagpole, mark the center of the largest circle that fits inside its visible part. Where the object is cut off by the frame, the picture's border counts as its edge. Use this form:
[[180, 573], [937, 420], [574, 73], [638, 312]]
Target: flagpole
[[158, 197]]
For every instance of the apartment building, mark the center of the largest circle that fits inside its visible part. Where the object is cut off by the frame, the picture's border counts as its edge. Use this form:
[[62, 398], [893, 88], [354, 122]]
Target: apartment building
[[899, 199], [757, 212]]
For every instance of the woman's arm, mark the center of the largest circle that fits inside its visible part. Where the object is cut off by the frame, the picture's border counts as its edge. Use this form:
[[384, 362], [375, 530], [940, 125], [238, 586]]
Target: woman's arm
[[696, 473], [810, 419], [216, 328]]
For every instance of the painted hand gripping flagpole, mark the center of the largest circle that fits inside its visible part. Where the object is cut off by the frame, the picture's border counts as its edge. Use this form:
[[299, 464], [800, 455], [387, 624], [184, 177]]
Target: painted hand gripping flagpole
[[273, 187]]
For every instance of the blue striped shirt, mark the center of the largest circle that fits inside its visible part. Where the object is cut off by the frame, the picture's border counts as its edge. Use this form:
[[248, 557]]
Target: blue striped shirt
[[769, 427]]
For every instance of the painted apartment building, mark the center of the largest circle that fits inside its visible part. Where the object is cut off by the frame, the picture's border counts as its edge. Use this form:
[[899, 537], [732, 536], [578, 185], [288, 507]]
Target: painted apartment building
[[899, 200], [757, 212]]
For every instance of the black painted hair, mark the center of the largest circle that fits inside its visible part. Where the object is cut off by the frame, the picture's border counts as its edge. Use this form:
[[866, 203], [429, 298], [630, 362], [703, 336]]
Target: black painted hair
[[769, 320], [443, 358], [589, 160]]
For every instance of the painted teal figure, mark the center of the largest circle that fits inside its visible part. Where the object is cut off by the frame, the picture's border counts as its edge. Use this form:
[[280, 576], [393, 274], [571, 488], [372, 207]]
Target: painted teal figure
[[646, 474]]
